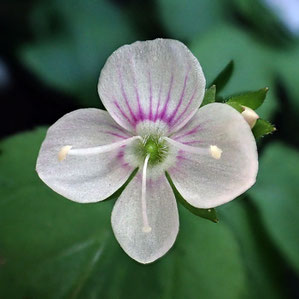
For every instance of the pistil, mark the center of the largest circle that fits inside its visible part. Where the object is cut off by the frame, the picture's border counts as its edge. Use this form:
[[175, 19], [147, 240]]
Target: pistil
[[146, 227]]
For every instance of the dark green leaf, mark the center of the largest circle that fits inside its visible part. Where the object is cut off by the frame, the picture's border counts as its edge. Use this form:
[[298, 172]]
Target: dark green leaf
[[54, 248], [186, 19], [263, 275], [210, 96], [262, 128], [71, 57], [222, 79], [287, 62], [209, 214], [253, 99], [276, 195]]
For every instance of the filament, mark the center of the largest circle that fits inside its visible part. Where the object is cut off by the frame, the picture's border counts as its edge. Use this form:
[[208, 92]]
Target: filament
[[69, 150], [213, 150], [146, 227]]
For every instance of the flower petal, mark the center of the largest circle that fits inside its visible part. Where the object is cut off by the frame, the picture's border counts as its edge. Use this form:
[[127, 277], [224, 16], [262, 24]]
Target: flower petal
[[207, 182], [127, 221], [87, 178], [158, 80]]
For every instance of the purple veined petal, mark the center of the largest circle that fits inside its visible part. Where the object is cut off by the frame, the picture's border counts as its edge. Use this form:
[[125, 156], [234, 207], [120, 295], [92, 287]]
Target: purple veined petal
[[90, 177], [127, 220], [154, 81], [207, 182]]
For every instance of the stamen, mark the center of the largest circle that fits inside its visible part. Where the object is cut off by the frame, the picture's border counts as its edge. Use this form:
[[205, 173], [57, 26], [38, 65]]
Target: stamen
[[213, 150], [146, 228], [63, 152], [68, 150]]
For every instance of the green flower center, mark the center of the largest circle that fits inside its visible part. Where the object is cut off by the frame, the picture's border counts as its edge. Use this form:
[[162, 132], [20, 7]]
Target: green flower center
[[154, 146]]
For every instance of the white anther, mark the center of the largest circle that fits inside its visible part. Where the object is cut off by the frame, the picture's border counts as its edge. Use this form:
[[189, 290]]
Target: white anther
[[212, 150], [146, 229], [63, 152], [250, 116], [215, 152]]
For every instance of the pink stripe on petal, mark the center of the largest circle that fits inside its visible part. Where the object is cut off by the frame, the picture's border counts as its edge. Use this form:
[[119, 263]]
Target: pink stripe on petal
[[192, 142], [164, 110], [116, 135], [172, 116], [125, 96], [123, 114], [159, 102], [186, 108], [141, 113], [150, 97], [120, 129], [192, 131]]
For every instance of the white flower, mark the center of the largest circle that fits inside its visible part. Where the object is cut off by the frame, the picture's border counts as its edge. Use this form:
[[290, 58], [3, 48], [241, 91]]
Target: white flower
[[152, 91]]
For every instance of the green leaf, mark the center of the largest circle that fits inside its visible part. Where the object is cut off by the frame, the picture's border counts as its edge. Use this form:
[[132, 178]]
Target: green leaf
[[224, 76], [210, 96], [71, 58], [54, 248], [236, 105], [276, 195], [251, 68], [209, 214], [265, 277], [185, 19], [252, 99], [262, 128]]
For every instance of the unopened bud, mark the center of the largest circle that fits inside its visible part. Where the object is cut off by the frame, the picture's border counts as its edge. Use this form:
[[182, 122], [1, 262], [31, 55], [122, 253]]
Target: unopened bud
[[250, 116]]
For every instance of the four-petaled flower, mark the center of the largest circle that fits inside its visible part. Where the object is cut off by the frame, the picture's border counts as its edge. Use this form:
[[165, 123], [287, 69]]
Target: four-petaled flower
[[152, 91]]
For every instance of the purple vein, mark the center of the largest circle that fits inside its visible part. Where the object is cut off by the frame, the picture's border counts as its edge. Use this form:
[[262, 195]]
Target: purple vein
[[141, 114], [186, 108], [190, 132], [150, 97], [125, 96], [171, 117], [164, 110], [192, 142], [116, 135], [123, 114], [120, 129], [159, 102]]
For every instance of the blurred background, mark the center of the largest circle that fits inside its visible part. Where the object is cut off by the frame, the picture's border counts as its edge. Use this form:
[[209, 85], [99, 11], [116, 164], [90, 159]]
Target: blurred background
[[51, 55]]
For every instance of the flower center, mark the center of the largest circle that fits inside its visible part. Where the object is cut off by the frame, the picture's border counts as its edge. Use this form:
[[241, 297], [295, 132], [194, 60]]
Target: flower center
[[154, 146]]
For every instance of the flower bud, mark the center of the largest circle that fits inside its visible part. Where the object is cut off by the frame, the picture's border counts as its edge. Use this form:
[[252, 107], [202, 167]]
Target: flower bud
[[250, 116]]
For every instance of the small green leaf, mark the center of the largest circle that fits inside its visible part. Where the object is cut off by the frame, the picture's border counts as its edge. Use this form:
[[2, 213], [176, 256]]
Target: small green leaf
[[227, 43], [209, 214], [236, 105], [222, 79], [210, 96], [262, 128], [252, 99]]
